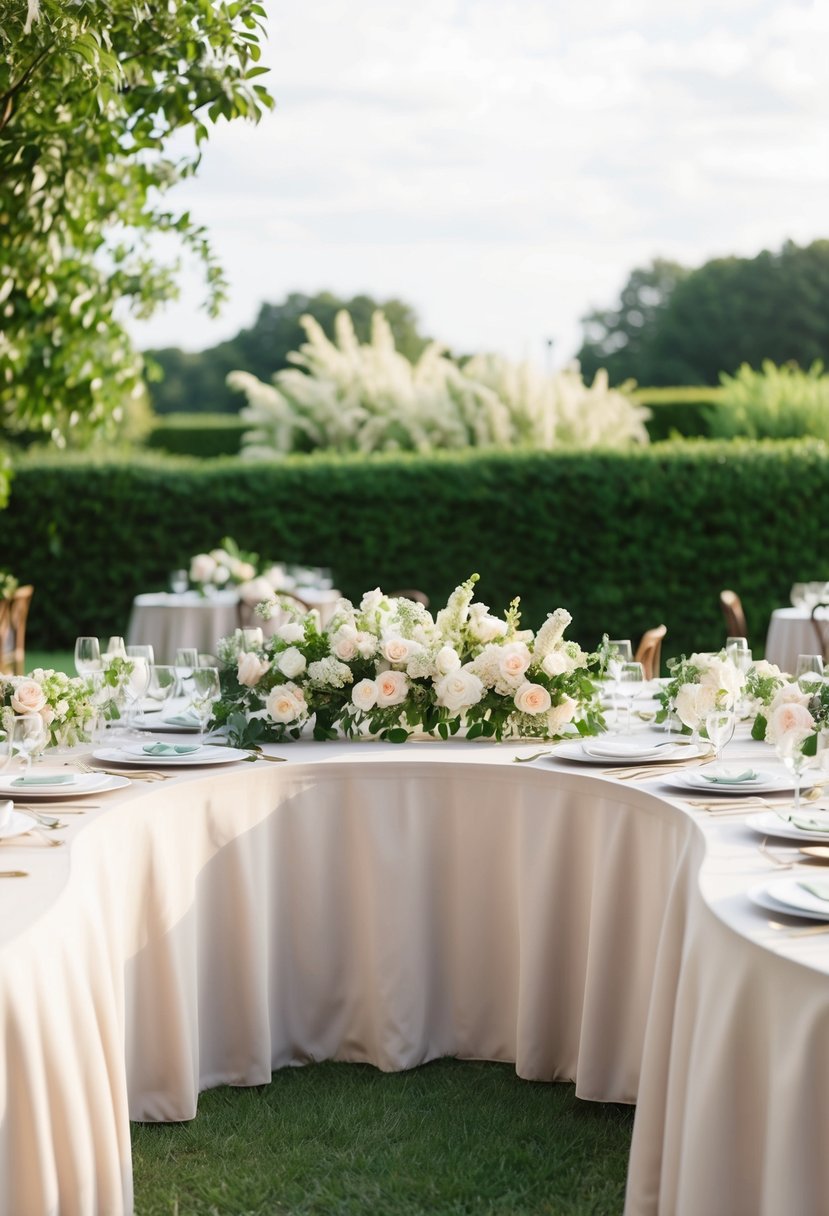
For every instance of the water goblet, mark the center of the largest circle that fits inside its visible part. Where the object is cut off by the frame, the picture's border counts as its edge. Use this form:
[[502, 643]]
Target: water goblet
[[808, 672], [187, 660], [133, 689], [162, 683], [27, 737], [145, 652], [790, 750], [631, 684], [619, 651], [179, 582], [206, 691], [87, 655], [116, 647], [734, 645], [719, 725]]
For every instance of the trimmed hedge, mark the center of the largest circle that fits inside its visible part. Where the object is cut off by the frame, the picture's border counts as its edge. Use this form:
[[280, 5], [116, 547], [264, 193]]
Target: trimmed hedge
[[624, 541], [202, 435]]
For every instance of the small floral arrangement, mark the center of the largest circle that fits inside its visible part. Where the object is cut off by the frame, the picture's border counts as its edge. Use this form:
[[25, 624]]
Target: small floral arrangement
[[387, 668], [8, 585], [63, 702], [793, 716], [698, 685], [226, 566]]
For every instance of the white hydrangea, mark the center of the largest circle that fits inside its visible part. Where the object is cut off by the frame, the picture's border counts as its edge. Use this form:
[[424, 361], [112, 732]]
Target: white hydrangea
[[329, 673]]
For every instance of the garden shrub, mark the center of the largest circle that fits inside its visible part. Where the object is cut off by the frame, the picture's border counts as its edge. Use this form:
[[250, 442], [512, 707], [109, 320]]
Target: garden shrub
[[775, 403]]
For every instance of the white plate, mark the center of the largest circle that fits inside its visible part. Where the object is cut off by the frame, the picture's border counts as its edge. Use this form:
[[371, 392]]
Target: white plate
[[208, 754], [17, 825], [84, 783], [785, 895], [769, 823], [765, 782], [591, 752]]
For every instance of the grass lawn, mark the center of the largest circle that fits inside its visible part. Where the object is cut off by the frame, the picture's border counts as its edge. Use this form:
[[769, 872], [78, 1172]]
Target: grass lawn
[[60, 660], [451, 1138]]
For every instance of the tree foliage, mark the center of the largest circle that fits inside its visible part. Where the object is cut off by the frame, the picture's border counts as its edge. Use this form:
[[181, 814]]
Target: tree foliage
[[94, 98], [730, 311], [196, 382]]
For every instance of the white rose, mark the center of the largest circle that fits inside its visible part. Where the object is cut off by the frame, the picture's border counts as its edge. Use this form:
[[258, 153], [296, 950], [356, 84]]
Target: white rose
[[291, 662], [513, 661], [763, 669], [250, 668], [483, 627], [693, 702], [243, 571], [290, 632], [560, 715], [725, 677], [532, 699], [344, 643], [459, 690], [285, 703], [221, 575], [366, 644], [28, 697], [396, 649], [555, 663], [392, 688], [789, 725], [202, 568], [364, 695], [789, 694], [447, 660]]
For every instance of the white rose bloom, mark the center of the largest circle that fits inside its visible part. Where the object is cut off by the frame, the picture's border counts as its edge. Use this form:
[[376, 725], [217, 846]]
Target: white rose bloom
[[291, 662], [560, 715], [364, 695], [392, 688], [250, 668], [763, 669], [725, 677], [789, 694], [28, 697], [221, 575], [447, 660], [344, 643], [396, 649], [483, 627], [286, 703], [290, 632], [693, 702], [459, 689], [532, 699], [202, 568], [513, 661], [789, 725], [555, 663]]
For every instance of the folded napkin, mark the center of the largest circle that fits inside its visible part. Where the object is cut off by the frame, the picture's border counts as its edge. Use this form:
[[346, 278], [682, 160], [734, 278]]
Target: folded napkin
[[807, 824], [170, 749], [55, 779], [727, 779], [820, 890], [188, 718], [5, 814]]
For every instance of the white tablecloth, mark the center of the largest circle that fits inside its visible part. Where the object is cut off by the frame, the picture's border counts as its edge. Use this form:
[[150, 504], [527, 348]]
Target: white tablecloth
[[371, 903], [792, 632]]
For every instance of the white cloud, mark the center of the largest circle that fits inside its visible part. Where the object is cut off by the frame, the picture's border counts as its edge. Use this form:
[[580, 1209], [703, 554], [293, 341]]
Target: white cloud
[[504, 166]]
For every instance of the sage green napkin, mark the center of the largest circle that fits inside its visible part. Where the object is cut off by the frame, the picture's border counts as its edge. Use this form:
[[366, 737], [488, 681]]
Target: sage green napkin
[[806, 824], [170, 749], [820, 890], [727, 779], [186, 719], [59, 779]]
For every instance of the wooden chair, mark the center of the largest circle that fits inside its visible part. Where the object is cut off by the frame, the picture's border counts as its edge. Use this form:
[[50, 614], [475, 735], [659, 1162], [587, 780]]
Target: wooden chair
[[820, 623], [649, 651], [735, 618], [420, 597], [13, 616]]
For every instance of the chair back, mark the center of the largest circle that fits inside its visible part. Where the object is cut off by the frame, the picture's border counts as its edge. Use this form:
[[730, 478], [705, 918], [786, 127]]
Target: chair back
[[14, 613], [820, 623], [735, 618], [649, 651]]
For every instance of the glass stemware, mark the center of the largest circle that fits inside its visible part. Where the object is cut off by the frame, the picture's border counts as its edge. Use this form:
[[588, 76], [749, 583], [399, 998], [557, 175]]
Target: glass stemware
[[809, 671], [87, 655], [27, 737], [116, 647], [133, 690], [790, 751], [145, 652], [162, 684], [619, 651], [631, 683], [719, 725], [252, 637], [206, 691], [187, 660]]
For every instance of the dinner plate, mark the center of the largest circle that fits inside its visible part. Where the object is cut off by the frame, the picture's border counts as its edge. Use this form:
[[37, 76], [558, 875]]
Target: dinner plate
[[209, 754], [769, 823], [17, 824], [786, 895], [84, 783], [618, 754], [764, 781]]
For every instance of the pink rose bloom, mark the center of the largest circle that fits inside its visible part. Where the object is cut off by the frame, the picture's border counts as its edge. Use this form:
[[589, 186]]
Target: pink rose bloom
[[532, 699], [392, 688], [286, 703], [513, 660], [28, 697], [789, 725]]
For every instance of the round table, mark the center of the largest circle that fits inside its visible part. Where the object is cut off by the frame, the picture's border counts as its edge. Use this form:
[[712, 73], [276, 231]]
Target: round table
[[367, 902], [793, 632]]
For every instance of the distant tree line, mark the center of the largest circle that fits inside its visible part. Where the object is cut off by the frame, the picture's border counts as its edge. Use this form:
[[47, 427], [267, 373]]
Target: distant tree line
[[196, 382], [676, 326]]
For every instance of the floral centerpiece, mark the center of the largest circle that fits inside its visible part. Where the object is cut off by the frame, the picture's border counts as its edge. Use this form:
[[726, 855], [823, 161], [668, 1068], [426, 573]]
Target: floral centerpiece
[[63, 702], [387, 668], [792, 715], [226, 566], [699, 685]]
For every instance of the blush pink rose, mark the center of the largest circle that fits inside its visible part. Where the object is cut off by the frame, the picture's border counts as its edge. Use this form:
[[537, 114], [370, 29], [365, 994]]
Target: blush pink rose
[[250, 669], [28, 698], [532, 699], [392, 688]]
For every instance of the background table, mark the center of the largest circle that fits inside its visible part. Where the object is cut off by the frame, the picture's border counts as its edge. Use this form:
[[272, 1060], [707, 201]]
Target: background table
[[390, 905], [792, 632]]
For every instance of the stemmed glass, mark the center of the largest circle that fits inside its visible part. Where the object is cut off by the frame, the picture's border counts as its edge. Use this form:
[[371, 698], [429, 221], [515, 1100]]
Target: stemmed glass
[[206, 691], [809, 671], [790, 750], [133, 689], [631, 683], [162, 683], [116, 647], [619, 652], [734, 645], [87, 655], [26, 737], [719, 724], [187, 661]]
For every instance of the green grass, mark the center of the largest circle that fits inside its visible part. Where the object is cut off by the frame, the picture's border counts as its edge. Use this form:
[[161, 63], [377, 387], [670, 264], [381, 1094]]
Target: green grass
[[60, 660], [451, 1138]]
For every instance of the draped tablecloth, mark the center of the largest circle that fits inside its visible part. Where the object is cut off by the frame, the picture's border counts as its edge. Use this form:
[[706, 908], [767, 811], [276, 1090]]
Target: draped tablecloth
[[370, 903], [793, 632]]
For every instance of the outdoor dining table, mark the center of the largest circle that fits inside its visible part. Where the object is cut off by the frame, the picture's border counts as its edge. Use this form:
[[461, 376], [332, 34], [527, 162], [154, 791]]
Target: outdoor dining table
[[369, 902], [793, 632], [168, 621]]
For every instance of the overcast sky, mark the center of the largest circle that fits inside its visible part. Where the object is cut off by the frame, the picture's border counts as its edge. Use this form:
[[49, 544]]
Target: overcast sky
[[503, 166]]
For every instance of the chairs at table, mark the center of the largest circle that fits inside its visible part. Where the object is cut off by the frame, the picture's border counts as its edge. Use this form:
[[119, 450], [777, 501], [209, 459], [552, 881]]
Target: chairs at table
[[14, 613], [735, 618], [649, 651]]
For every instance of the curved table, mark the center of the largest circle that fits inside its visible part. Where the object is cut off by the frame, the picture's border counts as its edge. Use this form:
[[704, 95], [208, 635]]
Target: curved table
[[391, 905]]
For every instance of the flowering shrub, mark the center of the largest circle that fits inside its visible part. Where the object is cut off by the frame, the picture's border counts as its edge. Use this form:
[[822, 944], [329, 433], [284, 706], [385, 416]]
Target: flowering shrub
[[350, 397], [386, 667]]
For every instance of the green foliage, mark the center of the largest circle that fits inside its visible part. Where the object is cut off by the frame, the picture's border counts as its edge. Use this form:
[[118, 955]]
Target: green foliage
[[94, 101], [775, 403], [710, 320], [675, 412], [203, 435], [623, 540], [192, 382]]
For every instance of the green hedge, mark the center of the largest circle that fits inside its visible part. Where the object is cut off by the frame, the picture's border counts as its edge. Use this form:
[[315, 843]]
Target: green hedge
[[678, 411], [623, 541], [203, 435]]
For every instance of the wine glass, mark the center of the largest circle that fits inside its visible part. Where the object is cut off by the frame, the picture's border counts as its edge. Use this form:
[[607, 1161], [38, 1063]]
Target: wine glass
[[162, 683], [790, 750], [87, 655], [631, 683], [116, 647], [719, 724], [99, 696], [206, 690], [252, 638], [179, 581], [187, 660], [734, 645], [27, 737], [808, 672], [145, 652], [619, 651], [134, 688]]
